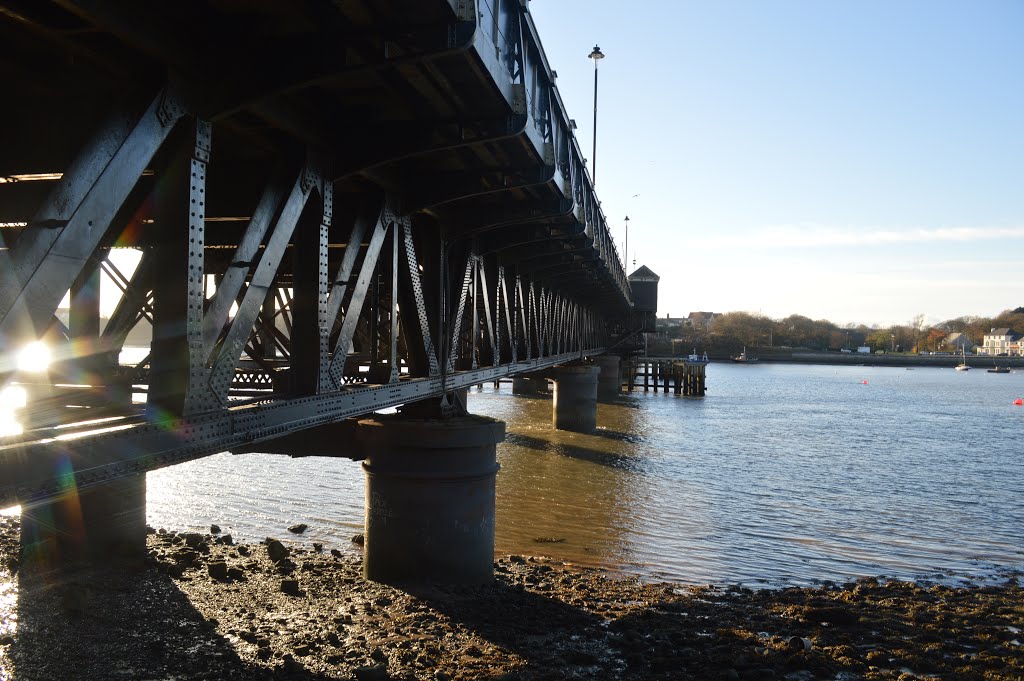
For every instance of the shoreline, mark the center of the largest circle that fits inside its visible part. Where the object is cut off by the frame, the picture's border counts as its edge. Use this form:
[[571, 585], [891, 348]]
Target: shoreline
[[977, 362], [205, 608]]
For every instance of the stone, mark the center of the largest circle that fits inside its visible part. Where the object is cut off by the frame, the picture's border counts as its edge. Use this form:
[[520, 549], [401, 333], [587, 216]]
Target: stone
[[192, 539], [359, 540], [276, 550], [236, 574], [290, 587], [318, 547], [336, 553], [377, 672], [298, 529], [218, 569], [226, 540], [214, 529]]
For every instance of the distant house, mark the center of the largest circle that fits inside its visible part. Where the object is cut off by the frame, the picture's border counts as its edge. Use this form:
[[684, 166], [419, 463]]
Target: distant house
[[958, 341], [999, 342], [701, 320]]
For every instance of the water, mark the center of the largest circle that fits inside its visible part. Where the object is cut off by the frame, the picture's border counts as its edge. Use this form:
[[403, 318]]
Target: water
[[783, 474]]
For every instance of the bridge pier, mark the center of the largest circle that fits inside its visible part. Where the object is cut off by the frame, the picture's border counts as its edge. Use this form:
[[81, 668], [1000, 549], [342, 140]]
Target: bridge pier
[[99, 525], [609, 382], [526, 385], [429, 498], [574, 406]]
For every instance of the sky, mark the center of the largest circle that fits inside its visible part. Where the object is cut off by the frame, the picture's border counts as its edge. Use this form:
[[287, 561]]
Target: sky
[[857, 161]]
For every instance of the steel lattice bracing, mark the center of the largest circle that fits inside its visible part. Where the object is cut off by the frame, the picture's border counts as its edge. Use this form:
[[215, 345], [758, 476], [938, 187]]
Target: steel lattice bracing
[[339, 207]]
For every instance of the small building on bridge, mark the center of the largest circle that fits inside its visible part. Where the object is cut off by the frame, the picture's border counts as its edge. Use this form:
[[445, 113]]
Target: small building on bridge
[[643, 286]]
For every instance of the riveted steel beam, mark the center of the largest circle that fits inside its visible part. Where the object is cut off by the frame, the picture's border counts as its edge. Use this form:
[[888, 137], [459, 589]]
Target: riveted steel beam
[[65, 233]]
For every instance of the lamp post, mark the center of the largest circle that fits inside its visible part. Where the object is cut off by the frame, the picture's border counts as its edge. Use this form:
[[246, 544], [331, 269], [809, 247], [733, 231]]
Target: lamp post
[[893, 349], [596, 55]]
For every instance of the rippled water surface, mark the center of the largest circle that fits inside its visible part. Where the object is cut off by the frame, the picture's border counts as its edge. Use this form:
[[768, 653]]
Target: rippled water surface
[[782, 474]]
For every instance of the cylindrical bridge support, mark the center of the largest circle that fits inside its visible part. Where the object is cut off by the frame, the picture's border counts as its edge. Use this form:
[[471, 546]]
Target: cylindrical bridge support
[[430, 498], [574, 406], [610, 380], [101, 525]]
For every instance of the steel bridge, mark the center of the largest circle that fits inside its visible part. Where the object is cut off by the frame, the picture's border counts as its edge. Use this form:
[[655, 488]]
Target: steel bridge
[[336, 207]]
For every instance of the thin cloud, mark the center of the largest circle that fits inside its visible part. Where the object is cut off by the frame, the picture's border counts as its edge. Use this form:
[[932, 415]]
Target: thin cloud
[[814, 236]]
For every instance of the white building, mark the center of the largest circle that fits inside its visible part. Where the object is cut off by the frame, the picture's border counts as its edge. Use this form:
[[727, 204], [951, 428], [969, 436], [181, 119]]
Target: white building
[[999, 342]]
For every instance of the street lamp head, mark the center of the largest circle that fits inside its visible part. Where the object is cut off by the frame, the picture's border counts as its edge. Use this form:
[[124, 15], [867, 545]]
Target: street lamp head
[[596, 54]]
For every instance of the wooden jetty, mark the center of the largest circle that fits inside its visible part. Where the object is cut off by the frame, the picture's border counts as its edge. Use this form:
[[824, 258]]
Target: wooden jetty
[[684, 376]]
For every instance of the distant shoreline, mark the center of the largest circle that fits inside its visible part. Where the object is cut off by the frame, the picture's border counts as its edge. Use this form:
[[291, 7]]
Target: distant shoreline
[[888, 359]]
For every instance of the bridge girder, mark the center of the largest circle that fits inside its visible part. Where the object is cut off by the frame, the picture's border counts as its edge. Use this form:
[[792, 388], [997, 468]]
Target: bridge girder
[[395, 208]]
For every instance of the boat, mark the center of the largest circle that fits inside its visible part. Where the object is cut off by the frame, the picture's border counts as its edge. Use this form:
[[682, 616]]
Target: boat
[[999, 370], [962, 366], [742, 358]]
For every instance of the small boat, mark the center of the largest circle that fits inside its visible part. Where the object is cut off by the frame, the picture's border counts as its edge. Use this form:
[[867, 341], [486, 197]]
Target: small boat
[[962, 366], [999, 370], [742, 358]]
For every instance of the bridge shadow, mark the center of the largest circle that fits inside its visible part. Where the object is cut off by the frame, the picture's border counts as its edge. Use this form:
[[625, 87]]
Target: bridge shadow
[[575, 451], [115, 624], [549, 634]]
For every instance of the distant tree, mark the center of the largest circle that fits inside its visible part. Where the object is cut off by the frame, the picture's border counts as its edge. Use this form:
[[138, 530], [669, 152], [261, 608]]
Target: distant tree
[[917, 326], [933, 339]]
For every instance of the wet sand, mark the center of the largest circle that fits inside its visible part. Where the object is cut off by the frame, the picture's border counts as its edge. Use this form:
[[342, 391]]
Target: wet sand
[[206, 609]]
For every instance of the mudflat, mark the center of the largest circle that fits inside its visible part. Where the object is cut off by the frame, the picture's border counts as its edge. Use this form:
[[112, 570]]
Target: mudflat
[[205, 608]]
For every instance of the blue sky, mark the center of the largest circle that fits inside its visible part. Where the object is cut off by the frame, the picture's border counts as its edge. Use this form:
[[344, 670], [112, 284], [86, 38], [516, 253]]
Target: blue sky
[[853, 161]]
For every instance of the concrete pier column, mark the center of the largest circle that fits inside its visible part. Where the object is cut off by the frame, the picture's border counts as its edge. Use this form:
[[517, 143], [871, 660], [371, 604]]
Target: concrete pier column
[[609, 382], [429, 498], [525, 385], [574, 406], [100, 525]]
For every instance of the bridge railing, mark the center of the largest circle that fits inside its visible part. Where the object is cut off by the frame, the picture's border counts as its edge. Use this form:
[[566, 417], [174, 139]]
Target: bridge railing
[[506, 32]]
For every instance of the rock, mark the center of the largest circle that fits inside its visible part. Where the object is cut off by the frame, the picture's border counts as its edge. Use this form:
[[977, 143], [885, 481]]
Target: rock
[[377, 672], [318, 547], [359, 540], [298, 529], [218, 569], [336, 553], [236, 574], [276, 550], [226, 540], [290, 587], [214, 529], [291, 665], [192, 539], [243, 550], [302, 649], [797, 644]]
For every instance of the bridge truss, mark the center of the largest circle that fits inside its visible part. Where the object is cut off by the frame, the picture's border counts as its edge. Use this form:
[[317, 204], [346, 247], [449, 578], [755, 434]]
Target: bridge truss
[[335, 208]]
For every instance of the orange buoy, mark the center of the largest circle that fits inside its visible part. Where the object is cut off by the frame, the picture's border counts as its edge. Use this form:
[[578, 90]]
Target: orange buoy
[[864, 382], [1018, 401]]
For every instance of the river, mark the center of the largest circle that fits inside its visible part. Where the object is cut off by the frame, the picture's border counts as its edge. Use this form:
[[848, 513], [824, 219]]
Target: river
[[783, 474]]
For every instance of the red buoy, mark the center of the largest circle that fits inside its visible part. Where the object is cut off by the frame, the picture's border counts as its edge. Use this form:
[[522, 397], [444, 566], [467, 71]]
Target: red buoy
[[864, 382], [1018, 401]]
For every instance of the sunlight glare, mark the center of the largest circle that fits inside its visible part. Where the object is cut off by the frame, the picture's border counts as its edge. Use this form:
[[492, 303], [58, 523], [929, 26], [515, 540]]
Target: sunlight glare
[[34, 357]]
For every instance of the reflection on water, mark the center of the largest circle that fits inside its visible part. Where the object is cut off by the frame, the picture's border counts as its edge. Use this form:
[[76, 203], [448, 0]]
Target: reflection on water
[[783, 474]]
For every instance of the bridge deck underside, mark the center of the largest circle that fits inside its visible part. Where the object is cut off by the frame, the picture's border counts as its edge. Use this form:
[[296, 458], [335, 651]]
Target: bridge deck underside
[[335, 208]]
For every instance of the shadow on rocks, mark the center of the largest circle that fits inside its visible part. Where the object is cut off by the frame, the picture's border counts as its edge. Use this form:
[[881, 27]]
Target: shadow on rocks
[[555, 639], [116, 624]]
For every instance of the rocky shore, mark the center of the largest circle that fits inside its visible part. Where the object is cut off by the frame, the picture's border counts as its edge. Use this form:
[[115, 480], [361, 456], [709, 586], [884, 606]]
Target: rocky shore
[[205, 608]]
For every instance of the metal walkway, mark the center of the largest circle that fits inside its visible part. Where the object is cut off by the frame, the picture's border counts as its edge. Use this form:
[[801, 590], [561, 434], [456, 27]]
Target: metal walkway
[[339, 207]]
